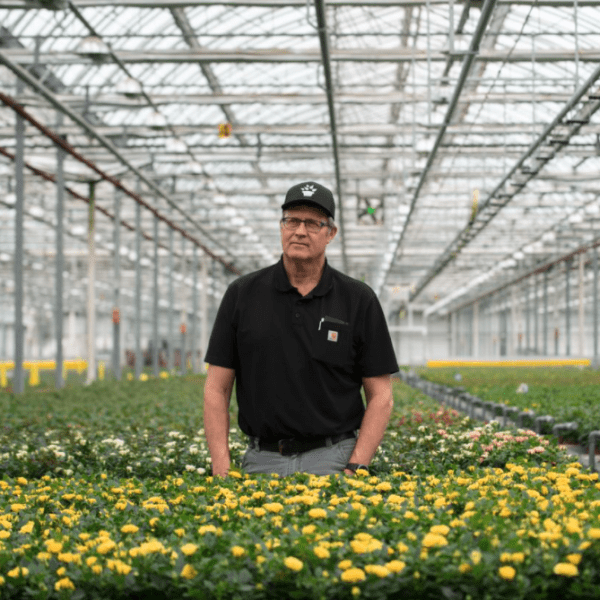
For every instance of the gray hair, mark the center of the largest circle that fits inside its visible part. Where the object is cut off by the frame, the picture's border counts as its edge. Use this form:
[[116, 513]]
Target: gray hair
[[330, 221]]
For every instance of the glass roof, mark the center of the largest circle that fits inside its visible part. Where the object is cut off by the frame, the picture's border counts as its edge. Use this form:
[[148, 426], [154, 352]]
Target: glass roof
[[467, 134]]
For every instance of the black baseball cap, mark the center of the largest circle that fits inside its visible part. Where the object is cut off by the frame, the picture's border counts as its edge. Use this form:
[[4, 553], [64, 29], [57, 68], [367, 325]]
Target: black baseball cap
[[311, 194]]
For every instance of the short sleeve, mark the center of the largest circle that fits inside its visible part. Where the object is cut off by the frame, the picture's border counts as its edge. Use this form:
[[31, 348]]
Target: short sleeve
[[376, 354], [222, 349]]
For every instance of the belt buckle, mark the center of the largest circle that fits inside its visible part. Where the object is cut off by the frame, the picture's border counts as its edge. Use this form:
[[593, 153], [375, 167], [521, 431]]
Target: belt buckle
[[283, 447]]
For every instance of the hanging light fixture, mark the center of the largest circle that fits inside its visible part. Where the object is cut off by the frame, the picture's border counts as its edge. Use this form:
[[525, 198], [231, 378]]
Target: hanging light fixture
[[129, 87], [93, 47], [157, 120]]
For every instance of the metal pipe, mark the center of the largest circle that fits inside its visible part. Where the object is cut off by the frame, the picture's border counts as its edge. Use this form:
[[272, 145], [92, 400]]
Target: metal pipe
[[25, 76], [155, 366], [18, 383], [194, 328], [59, 311], [595, 305], [138, 293], [170, 319], [117, 291], [486, 13], [91, 289], [567, 308], [323, 39]]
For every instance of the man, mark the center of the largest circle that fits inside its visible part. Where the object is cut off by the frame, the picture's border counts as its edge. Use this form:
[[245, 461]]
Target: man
[[300, 338]]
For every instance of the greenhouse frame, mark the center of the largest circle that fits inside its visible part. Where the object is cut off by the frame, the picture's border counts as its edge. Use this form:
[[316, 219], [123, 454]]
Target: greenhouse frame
[[147, 146]]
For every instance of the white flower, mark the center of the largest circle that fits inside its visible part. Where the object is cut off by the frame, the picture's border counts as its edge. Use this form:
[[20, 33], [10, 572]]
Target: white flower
[[413, 438], [190, 468], [201, 470]]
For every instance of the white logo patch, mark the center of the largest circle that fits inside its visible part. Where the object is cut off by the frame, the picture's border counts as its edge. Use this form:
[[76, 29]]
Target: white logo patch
[[332, 336], [309, 190]]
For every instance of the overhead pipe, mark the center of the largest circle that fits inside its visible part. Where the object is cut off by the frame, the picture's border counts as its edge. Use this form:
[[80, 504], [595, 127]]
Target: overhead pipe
[[326, 59], [502, 198], [59, 141], [30, 80], [486, 13]]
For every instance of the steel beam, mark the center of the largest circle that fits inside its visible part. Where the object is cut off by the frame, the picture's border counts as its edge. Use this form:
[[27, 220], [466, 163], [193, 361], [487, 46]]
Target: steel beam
[[326, 61], [27, 78], [25, 57], [18, 382]]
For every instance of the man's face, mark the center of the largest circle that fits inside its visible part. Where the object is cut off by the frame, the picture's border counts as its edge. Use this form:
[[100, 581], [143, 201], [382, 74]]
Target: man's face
[[301, 243]]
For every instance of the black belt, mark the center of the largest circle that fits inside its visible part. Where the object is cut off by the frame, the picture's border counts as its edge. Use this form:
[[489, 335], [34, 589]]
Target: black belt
[[295, 445]]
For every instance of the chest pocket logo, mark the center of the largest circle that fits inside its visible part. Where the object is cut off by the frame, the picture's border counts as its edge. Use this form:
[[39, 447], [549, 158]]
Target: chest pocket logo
[[333, 342]]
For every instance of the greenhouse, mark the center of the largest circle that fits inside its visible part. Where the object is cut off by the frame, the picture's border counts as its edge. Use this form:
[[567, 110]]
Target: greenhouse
[[147, 151]]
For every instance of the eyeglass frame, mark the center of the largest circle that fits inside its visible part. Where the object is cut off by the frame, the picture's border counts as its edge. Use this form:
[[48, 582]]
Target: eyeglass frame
[[321, 224]]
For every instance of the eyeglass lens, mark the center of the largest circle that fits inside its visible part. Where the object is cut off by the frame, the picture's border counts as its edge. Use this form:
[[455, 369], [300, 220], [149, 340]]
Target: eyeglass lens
[[294, 223]]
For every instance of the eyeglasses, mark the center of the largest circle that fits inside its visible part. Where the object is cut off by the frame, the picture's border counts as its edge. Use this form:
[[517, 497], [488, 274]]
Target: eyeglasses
[[312, 226]]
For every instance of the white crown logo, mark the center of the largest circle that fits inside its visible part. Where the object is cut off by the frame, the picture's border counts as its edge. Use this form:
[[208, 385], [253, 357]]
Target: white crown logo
[[309, 190]]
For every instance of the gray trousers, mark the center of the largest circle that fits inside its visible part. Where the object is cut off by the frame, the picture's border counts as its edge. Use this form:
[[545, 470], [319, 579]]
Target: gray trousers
[[328, 460]]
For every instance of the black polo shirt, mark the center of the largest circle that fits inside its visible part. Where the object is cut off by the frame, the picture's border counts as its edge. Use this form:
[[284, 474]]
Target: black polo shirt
[[299, 361]]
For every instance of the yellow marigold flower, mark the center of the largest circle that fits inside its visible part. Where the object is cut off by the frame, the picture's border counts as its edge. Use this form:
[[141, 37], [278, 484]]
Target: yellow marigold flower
[[179, 532], [384, 486], [27, 528], [353, 575], [355, 590], [274, 507], [321, 552], [44, 555], [440, 529], [506, 557], [90, 560], [594, 533], [260, 560], [106, 546], [434, 540], [238, 551], [64, 584], [378, 570], [345, 564], [507, 572], [84, 536], [18, 572], [17, 507], [130, 528], [476, 557], [574, 559], [189, 549], [206, 529], [291, 562], [4, 535], [61, 571], [96, 569], [566, 569], [308, 529], [464, 567], [317, 513], [188, 572], [119, 566], [1, 580], [21, 481], [53, 546], [395, 566]]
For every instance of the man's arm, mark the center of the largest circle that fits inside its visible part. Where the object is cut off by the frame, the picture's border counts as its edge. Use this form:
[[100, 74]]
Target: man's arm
[[217, 395], [380, 402]]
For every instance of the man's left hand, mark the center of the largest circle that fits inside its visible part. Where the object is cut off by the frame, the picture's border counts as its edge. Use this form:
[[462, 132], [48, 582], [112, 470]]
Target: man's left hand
[[349, 472]]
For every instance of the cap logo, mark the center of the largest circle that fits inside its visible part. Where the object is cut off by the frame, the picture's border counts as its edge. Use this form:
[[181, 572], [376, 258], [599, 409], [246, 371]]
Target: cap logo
[[332, 336], [308, 190]]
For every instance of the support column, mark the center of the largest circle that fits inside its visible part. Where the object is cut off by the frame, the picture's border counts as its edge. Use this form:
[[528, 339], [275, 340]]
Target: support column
[[536, 332], [513, 328], [545, 322], [18, 381], [91, 299], [138, 291], [475, 342], [567, 308], [155, 367], [59, 382], [595, 306], [117, 290], [204, 313], [171, 337], [556, 313], [183, 364], [527, 319], [453, 334], [194, 327], [581, 311]]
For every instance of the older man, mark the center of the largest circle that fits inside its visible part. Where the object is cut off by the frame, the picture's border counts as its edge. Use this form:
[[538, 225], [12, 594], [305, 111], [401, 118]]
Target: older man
[[301, 338]]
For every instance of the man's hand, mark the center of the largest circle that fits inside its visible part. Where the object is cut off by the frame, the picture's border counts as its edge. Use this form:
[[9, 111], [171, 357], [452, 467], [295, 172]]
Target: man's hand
[[349, 472], [221, 469]]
